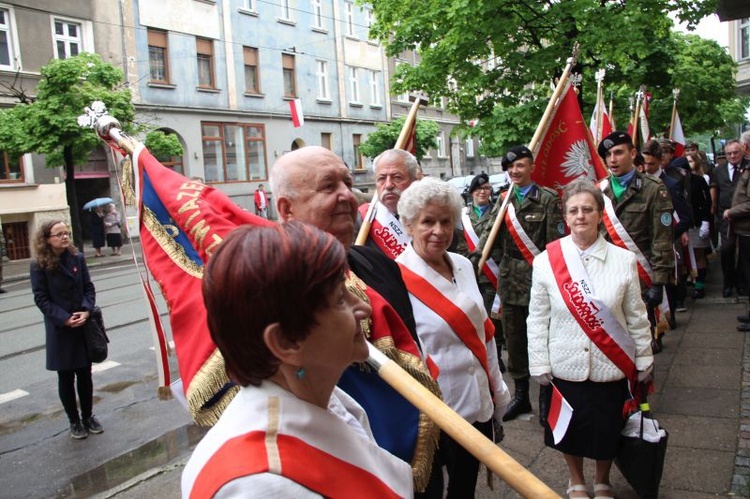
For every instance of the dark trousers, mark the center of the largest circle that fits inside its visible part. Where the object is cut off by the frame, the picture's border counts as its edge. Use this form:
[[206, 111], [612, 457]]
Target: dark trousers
[[461, 466], [67, 382], [730, 268], [516, 340], [743, 242]]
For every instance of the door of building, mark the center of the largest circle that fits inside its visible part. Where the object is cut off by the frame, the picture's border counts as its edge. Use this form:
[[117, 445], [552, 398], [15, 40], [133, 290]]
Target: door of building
[[17, 240]]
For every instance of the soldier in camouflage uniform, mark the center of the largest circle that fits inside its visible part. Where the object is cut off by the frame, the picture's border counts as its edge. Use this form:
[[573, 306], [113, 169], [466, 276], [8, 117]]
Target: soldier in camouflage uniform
[[644, 207], [478, 212], [538, 211]]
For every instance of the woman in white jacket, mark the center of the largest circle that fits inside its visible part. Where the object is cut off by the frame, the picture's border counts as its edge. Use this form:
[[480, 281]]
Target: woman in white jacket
[[452, 323], [588, 335]]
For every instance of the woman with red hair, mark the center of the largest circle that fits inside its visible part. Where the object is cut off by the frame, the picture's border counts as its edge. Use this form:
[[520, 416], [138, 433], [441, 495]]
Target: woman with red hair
[[281, 313]]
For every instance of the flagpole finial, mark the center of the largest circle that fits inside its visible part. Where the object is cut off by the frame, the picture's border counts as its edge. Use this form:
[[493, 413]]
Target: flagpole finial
[[599, 75], [676, 93], [575, 79], [574, 56], [98, 118]]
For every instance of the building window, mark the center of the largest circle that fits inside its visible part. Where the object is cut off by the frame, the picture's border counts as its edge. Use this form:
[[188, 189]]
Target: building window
[[234, 152], [158, 56], [326, 140], [744, 42], [469, 147], [7, 37], [321, 74], [11, 168], [369, 18], [349, 13], [290, 86], [317, 12], [440, 145], [252, 77], [67, 37], [405, 96], [353, 85], [286, 11], [205, 50], [249, 5], [359, 163], [375, 88]]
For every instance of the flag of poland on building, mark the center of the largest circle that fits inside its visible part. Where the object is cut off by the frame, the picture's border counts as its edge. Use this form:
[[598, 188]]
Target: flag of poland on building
[[298, 119], [559, 415]]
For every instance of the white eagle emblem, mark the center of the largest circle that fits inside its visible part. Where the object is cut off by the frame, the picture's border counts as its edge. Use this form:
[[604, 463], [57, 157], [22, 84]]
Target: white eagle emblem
[[578, 162]]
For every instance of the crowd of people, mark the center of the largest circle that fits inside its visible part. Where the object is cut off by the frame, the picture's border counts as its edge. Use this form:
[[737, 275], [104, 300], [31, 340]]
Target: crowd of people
[[577, 288]]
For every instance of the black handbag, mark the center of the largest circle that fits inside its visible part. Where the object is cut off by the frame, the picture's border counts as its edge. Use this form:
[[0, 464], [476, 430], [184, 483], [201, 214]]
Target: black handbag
[[640, 461], [95, 336]]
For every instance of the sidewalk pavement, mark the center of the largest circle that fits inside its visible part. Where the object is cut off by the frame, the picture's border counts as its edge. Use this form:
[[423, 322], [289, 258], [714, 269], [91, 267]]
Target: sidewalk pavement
[[702, 398]]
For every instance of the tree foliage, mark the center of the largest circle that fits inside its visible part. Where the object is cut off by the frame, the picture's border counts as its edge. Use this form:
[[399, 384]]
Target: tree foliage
[[385, 137], [163, 145], [495, 60], [48, 123]]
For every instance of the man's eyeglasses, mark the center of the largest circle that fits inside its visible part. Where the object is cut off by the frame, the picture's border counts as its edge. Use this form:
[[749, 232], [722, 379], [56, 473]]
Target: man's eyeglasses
[[60, 234]]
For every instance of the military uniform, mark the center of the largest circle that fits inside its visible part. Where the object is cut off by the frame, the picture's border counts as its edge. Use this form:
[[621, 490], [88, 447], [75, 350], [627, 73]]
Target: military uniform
[[541, 218], [645, 210]]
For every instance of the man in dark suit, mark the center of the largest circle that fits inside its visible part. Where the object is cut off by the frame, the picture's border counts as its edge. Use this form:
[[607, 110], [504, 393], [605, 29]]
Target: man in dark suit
[[723, 182]]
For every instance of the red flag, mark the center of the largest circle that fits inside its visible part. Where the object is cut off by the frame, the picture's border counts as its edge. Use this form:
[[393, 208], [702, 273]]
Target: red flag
[[567, 151], [411, 139], [181, 224], [298, 118], [678, 136], [560, 414], [606, 126]]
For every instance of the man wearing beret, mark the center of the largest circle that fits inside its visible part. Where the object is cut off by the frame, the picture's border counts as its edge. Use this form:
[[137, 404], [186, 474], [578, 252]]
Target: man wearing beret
[[534, 216], [638, 217], [474, 218]]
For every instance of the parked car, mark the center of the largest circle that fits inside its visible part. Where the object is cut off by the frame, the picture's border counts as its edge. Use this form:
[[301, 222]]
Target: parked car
[[461, 184], [498, 181]]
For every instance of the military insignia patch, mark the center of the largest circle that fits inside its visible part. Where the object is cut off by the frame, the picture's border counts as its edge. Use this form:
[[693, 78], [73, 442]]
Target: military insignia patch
[[608, 143], [666, 219], [511, 156], [561, 228]]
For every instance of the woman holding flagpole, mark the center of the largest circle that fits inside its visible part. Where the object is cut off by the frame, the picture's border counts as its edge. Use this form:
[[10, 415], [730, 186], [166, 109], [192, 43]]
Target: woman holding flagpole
[[452, 323], [588, 336]]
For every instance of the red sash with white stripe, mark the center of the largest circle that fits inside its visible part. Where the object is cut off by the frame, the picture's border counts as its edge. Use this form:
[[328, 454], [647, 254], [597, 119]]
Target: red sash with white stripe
[[591, 314], [621, 238], [453, 315], [387, 231], [490, 269], [520, 237]]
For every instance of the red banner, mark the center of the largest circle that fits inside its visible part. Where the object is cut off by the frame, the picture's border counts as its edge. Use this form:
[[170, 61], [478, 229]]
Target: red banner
[[567, 151]]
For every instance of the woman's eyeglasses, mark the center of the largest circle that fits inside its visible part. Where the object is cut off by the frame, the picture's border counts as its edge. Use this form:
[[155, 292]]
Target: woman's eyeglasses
[[60, 234]]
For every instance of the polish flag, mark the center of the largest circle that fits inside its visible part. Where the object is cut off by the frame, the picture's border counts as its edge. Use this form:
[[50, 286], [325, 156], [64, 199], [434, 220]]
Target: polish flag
[[298, 119], [560, 413], [678, 136], [606, 127]]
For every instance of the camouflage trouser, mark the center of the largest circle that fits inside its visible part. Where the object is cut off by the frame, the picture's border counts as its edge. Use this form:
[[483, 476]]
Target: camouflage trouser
[[516, 340]]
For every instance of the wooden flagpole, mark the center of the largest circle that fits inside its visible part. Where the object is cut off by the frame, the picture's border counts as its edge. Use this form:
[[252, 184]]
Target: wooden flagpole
[[676, 94], [499, 462], [543, 124], [611, 104], [411, 122], [637, 120]]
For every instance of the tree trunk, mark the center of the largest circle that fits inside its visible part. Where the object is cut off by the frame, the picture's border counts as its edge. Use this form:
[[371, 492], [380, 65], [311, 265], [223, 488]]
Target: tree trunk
[[70, 191]]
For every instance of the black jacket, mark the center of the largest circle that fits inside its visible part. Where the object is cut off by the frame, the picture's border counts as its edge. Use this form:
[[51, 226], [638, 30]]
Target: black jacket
[[58, 293]]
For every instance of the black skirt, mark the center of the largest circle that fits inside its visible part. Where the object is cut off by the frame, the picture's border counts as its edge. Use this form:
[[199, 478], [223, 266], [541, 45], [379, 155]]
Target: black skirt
[[594, 430], [114, 240]]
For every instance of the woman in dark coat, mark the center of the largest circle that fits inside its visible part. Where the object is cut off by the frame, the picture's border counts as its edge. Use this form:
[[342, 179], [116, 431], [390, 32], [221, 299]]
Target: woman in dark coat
[[97, 231], [65, 294]]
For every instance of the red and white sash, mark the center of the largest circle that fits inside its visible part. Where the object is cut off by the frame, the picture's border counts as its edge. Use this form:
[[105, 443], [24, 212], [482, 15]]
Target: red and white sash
[[490, 269], [520, 237], [387, 231], [286, 436], [621, 238], [594, 316], [462, 315]]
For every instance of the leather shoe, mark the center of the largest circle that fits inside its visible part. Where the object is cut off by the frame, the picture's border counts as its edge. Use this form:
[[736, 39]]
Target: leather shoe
[[656, 346], [726, 292], [743, 328], [744, 318]]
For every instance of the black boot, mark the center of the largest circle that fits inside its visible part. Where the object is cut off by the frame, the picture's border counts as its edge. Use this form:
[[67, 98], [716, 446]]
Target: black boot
[[545, 396], [520, 403]]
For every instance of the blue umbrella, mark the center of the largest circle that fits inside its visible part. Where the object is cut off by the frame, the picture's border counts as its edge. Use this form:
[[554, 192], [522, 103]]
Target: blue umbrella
[[96, 203]]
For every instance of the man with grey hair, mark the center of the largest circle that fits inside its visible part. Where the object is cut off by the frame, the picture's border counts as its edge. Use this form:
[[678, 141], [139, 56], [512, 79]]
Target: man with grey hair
[[395, 170], [745, 141]]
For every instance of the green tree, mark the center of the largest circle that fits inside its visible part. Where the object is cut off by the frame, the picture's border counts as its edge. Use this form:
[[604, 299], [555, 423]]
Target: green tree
[[47, 123], [385, 137], [163, 145], [495, 59]]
